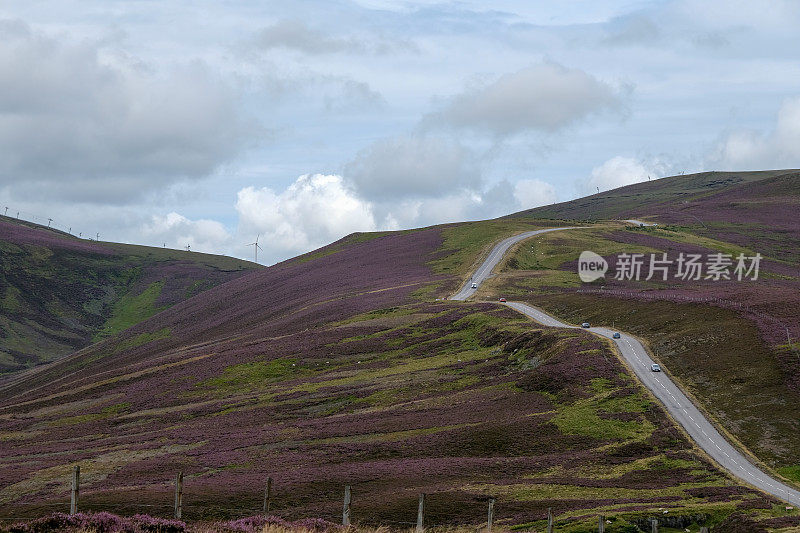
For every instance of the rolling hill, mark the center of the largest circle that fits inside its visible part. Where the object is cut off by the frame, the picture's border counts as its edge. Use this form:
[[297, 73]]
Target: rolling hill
[[345, 366], [737, 207], [59, 293], [732, 344]]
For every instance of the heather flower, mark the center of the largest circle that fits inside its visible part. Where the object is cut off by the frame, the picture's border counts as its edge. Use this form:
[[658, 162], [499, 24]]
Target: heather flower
[[101, 522], [254, 524]]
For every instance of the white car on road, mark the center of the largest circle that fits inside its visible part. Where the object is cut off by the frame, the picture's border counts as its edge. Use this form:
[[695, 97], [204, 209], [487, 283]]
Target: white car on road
[[655, 367]]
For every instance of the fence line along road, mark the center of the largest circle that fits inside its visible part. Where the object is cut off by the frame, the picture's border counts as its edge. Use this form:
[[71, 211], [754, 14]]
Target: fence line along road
[[699, 428]]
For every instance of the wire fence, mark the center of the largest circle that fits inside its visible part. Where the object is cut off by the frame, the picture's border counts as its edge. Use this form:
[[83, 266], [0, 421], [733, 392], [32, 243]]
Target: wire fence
[[437, 513]]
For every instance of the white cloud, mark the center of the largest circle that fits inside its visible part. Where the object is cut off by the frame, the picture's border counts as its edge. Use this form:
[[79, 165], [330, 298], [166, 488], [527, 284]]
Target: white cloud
[[296, 35], [115, 108], [177, 231], [744, 27], [299, 36], [769, 17], [620, 171], [418, 212], [412, 166], [533, 193], [750, 150], [499, 199], [352, 96], [313, 211], [79, 124], [545, 97], [632, 30], [317, 209]]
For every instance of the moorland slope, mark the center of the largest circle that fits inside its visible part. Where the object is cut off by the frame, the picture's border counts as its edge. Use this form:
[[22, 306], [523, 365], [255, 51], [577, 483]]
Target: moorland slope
[[732, 344], [59, 293], [340, 367], [737, 207]]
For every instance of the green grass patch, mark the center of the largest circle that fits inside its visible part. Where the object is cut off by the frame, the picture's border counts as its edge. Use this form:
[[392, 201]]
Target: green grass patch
[[378, 313], [380, 398], [11, 301], [583, 417], [427, 292], [197, 287], [539, 279], [600, 385], [790, 472], [392, 436], [142, 339], [106, 412], [551, 250], [463, 243], [132, 309], [402, 370], [553, 492], [688, 235], [254, 375]]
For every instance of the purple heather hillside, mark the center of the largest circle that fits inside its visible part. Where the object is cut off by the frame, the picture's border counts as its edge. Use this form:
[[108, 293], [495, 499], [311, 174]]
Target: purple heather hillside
[[333, 371]]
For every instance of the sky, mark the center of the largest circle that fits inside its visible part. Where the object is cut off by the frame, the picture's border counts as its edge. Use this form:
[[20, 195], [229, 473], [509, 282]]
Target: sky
[[208, 124]]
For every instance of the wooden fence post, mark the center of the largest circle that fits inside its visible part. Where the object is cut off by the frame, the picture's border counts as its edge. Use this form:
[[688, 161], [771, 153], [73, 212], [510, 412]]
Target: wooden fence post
[[346, 510], [76, 489], [653, 525], [490, 516], [549, 520], [421, 513], [601, 524], [268, 495], [179, 495]]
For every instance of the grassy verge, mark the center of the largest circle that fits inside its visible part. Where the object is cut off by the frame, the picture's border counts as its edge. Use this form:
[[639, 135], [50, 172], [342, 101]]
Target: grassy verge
[[465, 244]]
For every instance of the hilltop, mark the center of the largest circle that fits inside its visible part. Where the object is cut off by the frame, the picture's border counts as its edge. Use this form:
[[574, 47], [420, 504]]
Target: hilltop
[[344, 366], [59, 293], [737, 207]]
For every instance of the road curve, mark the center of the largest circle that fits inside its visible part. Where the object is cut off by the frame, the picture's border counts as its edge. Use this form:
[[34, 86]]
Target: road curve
[[497, 253], [673, 398], [639, 222]]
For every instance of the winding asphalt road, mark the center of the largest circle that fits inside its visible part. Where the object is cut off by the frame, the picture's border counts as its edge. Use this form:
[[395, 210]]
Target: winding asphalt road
[[497, 253], [673, 398]]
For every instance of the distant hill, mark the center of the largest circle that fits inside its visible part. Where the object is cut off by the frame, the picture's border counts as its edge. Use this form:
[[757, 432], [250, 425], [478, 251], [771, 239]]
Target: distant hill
[[59, 293], [739, 207]]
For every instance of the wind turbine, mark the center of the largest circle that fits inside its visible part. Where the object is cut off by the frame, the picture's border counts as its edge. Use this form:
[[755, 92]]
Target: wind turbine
[[256, 246]]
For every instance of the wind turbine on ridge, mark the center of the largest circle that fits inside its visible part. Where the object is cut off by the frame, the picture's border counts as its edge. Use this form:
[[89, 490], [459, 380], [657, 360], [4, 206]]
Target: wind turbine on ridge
[[256, 246]]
